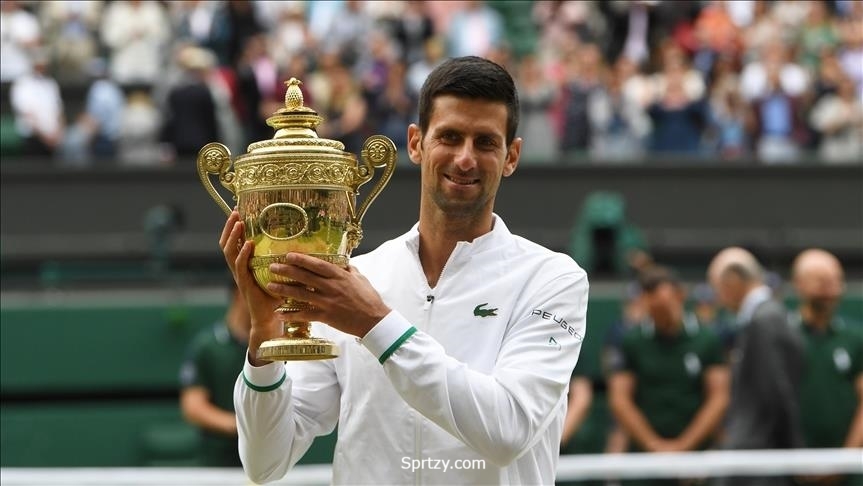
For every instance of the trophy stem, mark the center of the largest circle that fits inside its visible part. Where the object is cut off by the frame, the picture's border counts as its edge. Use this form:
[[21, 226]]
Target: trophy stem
[[297, 329], [297, 343]]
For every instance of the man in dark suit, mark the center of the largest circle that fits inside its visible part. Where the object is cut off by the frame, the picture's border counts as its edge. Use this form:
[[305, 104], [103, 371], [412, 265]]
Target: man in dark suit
[[766, 362]]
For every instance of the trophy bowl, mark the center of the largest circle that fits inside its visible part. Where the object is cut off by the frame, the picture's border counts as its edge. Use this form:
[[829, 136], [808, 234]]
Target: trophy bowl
[[297, 193]]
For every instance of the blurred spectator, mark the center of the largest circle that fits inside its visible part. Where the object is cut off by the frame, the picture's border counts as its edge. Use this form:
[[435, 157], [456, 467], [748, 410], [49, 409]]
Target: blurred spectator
[[192, 21], [839, 119], [321, 16], [257, 84], [617, 118], [678, 112], [563, 22], [536, 94], [501, 54], [790, 13], [675, 65], [348, 32], [778, 128], [669, 388], [213, 361], [290, 35], [474, 30], [20, 35], [763, 29], [234, 21], [774, 60], [190, 119], [412, 30], [139, 133], [851, 50], [71, 34], [629, 29], [346, 110], [373, 65], [433, 54], [818, 33], [767, 363], [678, 120], [729, 115], [95, 133], [38, 106], [136, 34], [395, 108], [585, 72], [741, 12], [830, 73], [831, 403], [716, 35]]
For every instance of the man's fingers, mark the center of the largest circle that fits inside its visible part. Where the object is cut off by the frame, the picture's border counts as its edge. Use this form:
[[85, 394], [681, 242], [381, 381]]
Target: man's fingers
[[314, 265], [233, 242], [229, 226], [297, 292], [241, 264]]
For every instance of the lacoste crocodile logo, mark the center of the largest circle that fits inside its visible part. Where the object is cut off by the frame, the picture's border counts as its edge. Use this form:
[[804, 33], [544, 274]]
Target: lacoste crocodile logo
[[480, 312]]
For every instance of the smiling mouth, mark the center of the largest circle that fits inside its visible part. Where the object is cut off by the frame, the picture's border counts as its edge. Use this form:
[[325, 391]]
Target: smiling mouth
[[462, 181]]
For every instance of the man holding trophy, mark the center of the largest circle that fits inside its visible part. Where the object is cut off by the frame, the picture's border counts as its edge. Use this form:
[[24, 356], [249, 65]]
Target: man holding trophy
[[455, 342]]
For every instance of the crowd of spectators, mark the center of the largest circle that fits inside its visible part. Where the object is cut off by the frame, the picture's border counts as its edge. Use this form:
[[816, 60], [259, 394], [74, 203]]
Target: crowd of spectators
[[776, 81]]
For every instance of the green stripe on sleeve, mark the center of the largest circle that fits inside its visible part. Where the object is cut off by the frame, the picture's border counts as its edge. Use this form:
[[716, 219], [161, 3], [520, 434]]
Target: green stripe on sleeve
[[265, 388], [392, 349]]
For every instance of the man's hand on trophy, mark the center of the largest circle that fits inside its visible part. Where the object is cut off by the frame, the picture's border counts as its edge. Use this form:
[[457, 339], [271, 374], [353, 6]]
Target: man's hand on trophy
[[342, 298], [237, 251]]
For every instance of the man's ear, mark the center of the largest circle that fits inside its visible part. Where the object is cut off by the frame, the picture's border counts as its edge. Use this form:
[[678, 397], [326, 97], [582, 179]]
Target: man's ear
[[512, 156], [415, 138]]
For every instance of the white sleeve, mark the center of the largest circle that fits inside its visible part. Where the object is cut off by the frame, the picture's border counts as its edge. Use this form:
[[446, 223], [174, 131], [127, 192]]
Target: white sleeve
[[281, 408], [501, 415]]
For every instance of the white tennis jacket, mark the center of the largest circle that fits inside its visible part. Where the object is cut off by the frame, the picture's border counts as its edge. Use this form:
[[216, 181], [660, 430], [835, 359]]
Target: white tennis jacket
[[464, 383]]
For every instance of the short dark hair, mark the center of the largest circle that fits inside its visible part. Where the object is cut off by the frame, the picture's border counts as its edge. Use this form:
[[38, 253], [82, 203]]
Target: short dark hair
[[470, 77], [655, 275]]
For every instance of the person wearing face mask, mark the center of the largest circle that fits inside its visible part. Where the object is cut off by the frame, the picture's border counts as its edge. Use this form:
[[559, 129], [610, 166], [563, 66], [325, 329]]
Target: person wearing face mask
[[831, 392]]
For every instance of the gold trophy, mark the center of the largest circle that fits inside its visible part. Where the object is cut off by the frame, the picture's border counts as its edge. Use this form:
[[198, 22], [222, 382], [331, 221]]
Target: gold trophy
[[297, 193]]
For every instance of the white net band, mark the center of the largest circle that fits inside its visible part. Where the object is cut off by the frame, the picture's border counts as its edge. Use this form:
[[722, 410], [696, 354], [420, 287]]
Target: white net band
[[570, 468]]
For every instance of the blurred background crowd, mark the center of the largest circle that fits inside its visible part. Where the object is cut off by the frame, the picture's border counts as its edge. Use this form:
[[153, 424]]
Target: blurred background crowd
[[150, 82]]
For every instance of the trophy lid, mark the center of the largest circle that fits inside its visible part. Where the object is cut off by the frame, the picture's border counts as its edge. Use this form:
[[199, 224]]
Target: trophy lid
[[296, 131]]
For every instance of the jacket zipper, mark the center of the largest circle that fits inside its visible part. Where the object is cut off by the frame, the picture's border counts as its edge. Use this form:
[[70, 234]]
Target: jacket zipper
[[418, 418]]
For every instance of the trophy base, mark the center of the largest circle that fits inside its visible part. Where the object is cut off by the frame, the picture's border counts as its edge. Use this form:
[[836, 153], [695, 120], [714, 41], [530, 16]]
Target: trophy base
[[297, 349]]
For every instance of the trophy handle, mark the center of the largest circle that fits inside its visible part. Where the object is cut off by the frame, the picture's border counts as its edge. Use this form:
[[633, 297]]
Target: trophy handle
[[214, 158], [378, 151]]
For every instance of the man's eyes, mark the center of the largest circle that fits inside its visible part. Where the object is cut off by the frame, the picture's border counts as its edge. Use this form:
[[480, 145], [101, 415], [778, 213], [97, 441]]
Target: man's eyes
[[486, 143]]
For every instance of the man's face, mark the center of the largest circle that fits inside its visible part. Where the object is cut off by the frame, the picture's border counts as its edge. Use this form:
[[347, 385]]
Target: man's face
[[664, 304], [821, 289], [729, 293], [463, 155]]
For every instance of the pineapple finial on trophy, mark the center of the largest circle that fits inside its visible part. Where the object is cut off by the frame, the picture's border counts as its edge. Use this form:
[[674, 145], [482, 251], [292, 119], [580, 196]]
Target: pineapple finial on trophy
[[295, 119], [294, 96]]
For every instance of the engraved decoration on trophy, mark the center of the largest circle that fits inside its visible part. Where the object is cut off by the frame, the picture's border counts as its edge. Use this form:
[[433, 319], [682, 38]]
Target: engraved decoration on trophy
[[297, 193]]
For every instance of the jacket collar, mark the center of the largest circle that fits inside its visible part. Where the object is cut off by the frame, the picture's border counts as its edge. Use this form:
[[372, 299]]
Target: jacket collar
[[499, 232], [753, 299]]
